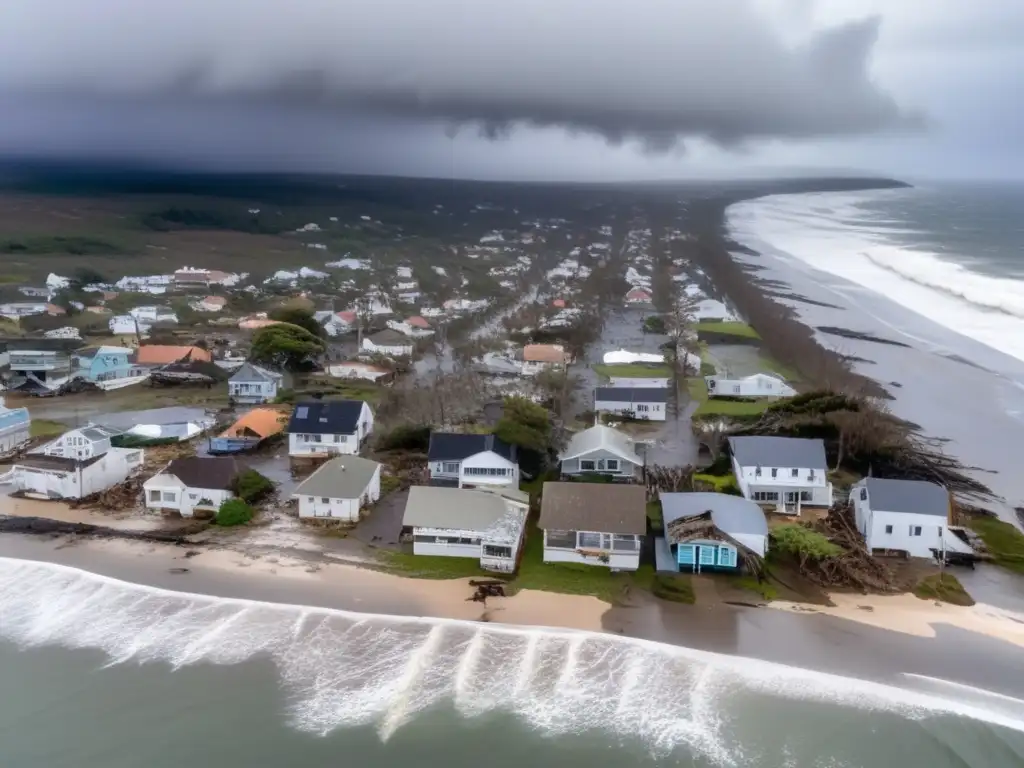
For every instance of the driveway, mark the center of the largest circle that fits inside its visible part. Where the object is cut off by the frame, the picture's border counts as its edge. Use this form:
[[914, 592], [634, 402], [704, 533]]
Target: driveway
[[384, 524]]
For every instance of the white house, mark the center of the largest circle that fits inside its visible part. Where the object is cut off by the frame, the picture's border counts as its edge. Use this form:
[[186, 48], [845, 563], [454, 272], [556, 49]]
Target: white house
[[594, 524], [15, 428], [355, 369], [638, 296], [252, 384], [323, 428], [784, 473], [415, 327], [483, 524], [153, 284], [644, 382], [756, 385], [910, 516], [126, 325], [644, 403], [210, 304], [18, 309], [711, 310], [543, 357], [193, 484], [601, 450], [470, 461], [388, 342], [339, 489], [153, 314], [336, 323]]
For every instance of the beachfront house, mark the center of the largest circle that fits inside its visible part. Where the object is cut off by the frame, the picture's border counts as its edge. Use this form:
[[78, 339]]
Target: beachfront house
[[593, 524], [756, 385], [601, 450], [339, 489], [251, 384], [323, 428], [785, 474], [460, 460], [39, 365], [904, 516], [193, 484], [487, 525], [79, 463], [15, 428], [249, 431], [710, 531], [110, 367], [416, 327], [543, 357], [640, 403], [388, 342]]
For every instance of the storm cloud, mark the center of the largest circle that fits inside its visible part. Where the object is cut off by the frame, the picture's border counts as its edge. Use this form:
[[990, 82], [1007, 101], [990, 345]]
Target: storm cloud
[[654, 71]]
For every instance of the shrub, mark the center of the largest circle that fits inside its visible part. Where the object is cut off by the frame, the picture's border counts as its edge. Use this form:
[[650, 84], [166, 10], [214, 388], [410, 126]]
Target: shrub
[[285, 396], [800, 541], [251, 486], [233, 512], [410, 437], [654, 324]]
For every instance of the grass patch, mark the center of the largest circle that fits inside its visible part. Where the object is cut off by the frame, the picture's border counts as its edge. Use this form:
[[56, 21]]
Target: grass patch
[[674, 587], [1004, 542], [943, 587], [718, 483], [46, 428], [750, 583], [633, 371], [698, 391], [389, 484], [654, 516], [728, 328], [432, 566], [789, 374]]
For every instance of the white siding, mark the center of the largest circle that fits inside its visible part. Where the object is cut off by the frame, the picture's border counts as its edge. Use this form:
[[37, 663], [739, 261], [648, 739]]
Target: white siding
[[311, 445], [447, 550], [783, 480], [483, 462], [164, 492], [338, 508], [617, 561], [115, 467], [649, 411], [627, 381]]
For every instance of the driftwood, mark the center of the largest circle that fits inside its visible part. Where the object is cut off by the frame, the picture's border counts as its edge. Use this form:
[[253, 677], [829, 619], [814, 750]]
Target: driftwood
[[44, 526], [855, 567], [485, 589]]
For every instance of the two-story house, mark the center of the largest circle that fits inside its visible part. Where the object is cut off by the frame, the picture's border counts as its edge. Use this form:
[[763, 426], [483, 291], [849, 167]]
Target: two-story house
[[459, 460], [320, 428], [252, 384], [15, 428], [40, 364], [601, 450], [111, 367], [783, 473]]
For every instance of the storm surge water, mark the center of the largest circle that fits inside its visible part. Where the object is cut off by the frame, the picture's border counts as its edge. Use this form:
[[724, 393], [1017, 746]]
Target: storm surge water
[[949, 253], [347, 672]]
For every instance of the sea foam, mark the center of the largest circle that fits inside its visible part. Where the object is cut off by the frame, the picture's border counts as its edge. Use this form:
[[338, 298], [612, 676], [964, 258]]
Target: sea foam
[[341, 668]]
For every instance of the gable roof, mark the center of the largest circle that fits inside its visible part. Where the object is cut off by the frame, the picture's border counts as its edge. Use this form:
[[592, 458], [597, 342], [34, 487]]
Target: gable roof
[[161, 354], [456, 446], [390, 338], [262, 422], [598, 507], [417, 322], [344, 477], [795, 452], [604, 438], [544, 353], [631, 394], [332, 417], [206, 471], [458, 508], [917, 497], [250, 372], [346, 316], [730, 514]]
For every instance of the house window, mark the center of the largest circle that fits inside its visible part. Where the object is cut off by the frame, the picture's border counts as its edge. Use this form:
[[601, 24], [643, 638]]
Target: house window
[[492, 551], [795, 472], [915, 530], [888, 529], [595, 540], [311, 499], [612, 465], [775, 472], [587, 466], [325, 500], [487, 471], [863, 494], [421, 539], [643, 408], [561, 539], [757, 472], [805, 496], [169, 496], [625, 543], [450, 467], [154, 495], [765, 495]]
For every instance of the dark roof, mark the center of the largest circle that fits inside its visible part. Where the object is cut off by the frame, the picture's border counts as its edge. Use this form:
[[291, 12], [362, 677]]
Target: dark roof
[[206, 471], [331, 417], [632, 394], [390, 338], [793, 452], [65, 463], [456, 446], [597, 507], [918, 497]]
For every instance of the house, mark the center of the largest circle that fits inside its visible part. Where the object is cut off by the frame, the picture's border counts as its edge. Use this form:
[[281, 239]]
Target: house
[[709, 531], [593, 524], [388, 342], [77, 464], [784, 473], [40, 365], [625, 357], [321, 428], [164, 354], [339, 489], [252, 384], [909, 516], [543, 357], [55, 310], [249, 431], [469, 461], [336, 323], [33, 292], [67, 332], [644, 382], [756, 385], [15, 310], [711, 310], [210, 304], [354, 369], [153, 314], [126, 325], [175, 422], [193, 484], [15, 428], [110, 367], [153, 284], [415, 327], [483, 524], [601, 450], [638, 296], [644, 403]]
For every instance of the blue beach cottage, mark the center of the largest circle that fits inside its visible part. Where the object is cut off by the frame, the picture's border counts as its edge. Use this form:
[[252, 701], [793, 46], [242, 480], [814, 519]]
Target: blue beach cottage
[[111, 367], [15, 428], [712, 531]]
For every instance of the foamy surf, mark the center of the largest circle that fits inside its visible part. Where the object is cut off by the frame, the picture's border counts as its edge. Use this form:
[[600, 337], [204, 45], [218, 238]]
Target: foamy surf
[[345, 669]]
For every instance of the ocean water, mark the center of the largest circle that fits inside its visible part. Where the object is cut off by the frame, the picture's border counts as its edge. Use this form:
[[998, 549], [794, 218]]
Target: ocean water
[[952, 253], [98, 673]]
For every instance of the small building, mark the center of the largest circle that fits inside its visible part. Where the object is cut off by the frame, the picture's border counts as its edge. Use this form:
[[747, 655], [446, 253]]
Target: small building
[[641, 403], [356, 369], [594, 524], [601, 450], [193, 484], [15, 428], [252, 384], [487, 525], [756, 385], [638, 296], [321, 428], [110, 367], [388, 342], [544, 357], [906, 516], [339, 489], [415, 327], [165, 424], [153, 314], [336, 323], [708, 531], [164, 354], [211, 304], [249, 431], [644, 382], [459, 460], [39, 365], [712, 310], [783, 473], [19, 309], [126, 325]]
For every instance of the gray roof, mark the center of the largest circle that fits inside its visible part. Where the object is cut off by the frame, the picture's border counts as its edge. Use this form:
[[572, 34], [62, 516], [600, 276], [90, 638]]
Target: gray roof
[[730, 514], [464, 509], [345, 477], [600, 437], [390, 338], [597, 507], [631, 394], [915, 496], [794, 452], [250, 372], [156, 416]]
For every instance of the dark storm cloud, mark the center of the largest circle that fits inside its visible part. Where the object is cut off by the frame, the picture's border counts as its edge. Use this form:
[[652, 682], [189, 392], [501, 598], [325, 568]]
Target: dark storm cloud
[[650, 70]]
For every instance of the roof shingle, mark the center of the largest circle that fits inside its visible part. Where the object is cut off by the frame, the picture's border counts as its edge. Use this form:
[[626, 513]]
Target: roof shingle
[[597, 507]]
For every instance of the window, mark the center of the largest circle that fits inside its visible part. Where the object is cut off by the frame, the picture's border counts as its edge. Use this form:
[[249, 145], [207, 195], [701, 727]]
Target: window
[[888, 529], [625, 543], [757, 472], [561, 539], [863, 494], [915, 530], [595, 540], [643, 408], [805, 496], [487, 471], [421, 539], [775, 472], [450, 467], [325, 500], [492, 551], [765, 495], [302, 412], [612, 465], [170, 496], [154, 495], [796, 472], [587, 466]]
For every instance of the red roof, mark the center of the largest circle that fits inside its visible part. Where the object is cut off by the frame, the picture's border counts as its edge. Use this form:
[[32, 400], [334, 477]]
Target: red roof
[[636, 293], [417, 322], [53, 309], [560, 303], [346, 316]]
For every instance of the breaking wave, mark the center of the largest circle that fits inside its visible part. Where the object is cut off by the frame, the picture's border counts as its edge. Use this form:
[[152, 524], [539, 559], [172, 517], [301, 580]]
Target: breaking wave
[[343, 669]]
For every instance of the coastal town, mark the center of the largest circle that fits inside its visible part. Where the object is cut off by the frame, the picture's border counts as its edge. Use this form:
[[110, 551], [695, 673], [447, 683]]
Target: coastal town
[[556, 405]]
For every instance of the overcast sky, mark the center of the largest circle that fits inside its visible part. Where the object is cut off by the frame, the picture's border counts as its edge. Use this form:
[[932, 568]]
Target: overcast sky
[[566, 89]]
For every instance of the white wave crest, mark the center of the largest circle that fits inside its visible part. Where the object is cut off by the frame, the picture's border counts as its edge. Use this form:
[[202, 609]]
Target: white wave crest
[[342, 668]]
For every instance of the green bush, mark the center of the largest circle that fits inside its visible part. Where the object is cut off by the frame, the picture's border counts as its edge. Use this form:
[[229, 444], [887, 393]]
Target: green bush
[[233, 512], [800, 541], [251, 486], [410, 437], [707, 369], [285, 396], [654, 324]]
